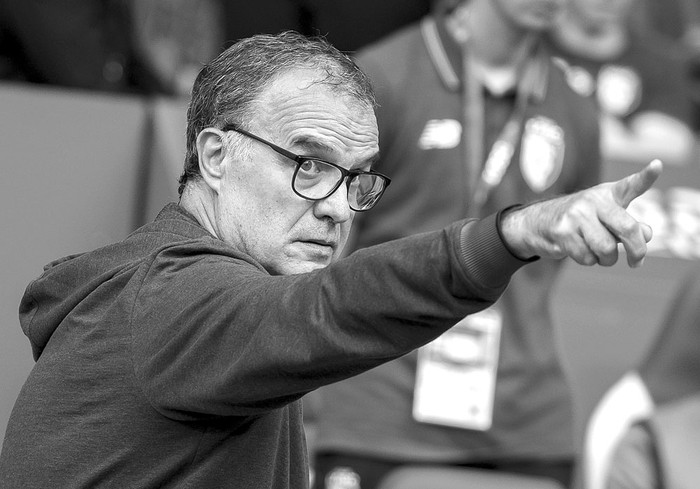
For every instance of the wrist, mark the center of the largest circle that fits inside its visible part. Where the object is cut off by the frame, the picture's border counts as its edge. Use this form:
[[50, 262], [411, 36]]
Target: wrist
[[508, 237]]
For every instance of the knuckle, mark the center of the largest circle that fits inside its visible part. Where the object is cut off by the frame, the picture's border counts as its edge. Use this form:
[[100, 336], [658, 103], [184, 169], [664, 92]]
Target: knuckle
[[607, 247]]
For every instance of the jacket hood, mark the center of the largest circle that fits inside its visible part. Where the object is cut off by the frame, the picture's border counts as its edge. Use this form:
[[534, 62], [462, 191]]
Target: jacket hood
[[67, 282], [47, 300]]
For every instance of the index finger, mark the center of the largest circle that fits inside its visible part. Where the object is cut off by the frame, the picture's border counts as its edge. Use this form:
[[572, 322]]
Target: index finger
[[632, 186]]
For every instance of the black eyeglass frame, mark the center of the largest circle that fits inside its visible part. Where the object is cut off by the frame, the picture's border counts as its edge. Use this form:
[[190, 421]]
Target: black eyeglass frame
[[348, 175]]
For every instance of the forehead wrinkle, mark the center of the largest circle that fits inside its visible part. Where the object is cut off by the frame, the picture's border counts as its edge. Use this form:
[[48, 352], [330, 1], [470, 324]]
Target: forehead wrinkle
[[311, 146], [314, 119], [318, 107], [319, 131], [335, 135]]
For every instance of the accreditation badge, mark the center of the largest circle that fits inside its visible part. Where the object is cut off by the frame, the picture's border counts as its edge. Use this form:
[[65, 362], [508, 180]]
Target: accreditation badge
[[541, 153], [456, 374], [619, 90]]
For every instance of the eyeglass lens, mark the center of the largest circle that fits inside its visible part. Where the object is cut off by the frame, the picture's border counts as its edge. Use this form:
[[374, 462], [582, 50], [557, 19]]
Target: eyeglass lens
[[317, 179]]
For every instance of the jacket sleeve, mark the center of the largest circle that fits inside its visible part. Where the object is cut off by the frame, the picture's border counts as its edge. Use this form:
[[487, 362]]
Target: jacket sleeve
[[214, 335]]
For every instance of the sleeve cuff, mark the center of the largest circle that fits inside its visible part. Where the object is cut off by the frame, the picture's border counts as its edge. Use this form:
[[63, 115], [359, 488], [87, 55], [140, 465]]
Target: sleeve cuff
[[485, 255]]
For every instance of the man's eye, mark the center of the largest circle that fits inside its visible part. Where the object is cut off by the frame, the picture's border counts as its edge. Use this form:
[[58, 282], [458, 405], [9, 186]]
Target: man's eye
[[311, 167]]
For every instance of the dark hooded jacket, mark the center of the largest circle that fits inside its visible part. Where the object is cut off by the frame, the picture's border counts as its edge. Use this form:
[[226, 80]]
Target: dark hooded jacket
[[171, 359]]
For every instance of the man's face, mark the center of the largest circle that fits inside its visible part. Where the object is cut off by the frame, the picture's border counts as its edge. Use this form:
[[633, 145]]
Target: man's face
[[258, 212], [537, 15]]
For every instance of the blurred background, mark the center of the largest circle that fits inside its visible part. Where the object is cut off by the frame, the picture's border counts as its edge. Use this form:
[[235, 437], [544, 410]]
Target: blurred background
[[93, 97]]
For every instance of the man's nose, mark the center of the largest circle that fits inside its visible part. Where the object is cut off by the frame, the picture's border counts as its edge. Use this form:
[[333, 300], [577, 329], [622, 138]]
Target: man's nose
[[335, 206]]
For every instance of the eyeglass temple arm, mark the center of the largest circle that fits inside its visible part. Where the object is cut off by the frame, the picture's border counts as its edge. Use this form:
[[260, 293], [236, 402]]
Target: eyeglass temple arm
[[282, 151]]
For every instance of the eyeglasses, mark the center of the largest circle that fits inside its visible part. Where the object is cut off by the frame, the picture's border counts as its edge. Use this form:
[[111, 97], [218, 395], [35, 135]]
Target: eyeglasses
[[316, 179]]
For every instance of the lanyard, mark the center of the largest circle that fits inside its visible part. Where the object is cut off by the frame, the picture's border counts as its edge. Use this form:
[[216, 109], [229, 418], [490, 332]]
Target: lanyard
[[483, 177], [473, 114]]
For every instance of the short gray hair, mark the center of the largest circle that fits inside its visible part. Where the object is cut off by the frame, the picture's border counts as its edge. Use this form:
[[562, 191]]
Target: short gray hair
[[227, 87]]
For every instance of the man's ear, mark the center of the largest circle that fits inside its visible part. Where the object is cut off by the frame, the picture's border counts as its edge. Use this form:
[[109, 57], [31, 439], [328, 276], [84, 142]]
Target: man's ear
[[210, 150]]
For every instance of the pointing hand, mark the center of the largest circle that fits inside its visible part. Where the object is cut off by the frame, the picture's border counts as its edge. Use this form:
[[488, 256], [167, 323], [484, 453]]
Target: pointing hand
[[586, 226]]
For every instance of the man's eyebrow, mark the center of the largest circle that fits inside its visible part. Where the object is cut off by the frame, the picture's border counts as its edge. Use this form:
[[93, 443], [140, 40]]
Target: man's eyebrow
[[313, 145]]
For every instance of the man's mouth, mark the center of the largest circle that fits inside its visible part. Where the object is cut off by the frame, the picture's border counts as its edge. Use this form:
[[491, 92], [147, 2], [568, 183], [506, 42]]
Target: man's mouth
[[320, 242]]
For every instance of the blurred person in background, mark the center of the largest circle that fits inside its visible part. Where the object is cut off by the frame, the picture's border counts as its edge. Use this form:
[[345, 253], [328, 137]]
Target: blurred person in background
[[473, 116], [663, 449], [640, 79], [678, 20], [127, 46], [347, 24]]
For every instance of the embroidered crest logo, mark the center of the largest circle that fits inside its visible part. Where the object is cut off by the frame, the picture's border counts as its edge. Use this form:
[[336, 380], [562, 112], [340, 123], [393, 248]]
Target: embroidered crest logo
[[542, 153], [440, 134], [619, 90]]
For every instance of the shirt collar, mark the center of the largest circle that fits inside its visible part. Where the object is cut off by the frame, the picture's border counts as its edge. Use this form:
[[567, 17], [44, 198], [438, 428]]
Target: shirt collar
[[446, 56]]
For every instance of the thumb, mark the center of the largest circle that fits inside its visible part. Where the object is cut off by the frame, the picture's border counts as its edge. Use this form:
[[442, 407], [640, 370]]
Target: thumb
[[632, 186]]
